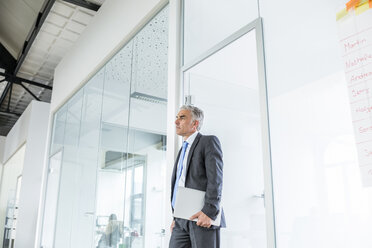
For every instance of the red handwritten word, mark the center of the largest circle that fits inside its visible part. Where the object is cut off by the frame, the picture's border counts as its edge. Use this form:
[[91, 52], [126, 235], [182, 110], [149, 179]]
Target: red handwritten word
[[358, 60], [351, 45], [356, 93], [365, 129], [361, 76], [368, 152], [367, 109]]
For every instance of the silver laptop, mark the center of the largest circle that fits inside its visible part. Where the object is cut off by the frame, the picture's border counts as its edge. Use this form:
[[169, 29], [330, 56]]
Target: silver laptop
[[189, 202]]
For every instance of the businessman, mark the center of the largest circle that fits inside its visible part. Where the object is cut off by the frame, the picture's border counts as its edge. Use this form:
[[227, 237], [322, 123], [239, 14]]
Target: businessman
[[198, 166]]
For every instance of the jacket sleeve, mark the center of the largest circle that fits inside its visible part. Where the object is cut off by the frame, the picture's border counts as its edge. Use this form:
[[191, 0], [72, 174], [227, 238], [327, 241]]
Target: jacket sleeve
[[214, 171]]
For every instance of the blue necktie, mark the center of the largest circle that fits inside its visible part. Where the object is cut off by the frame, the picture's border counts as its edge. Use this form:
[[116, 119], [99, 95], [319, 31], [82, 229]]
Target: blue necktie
[[179, 172]]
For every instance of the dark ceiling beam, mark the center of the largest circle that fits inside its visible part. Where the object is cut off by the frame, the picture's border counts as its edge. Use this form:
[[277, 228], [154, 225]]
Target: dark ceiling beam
[[11, 114], [29, 91], [7, 61], [5, 92], [10, 97], [28, 43], [26, 48], [84, 4], [19, 80]]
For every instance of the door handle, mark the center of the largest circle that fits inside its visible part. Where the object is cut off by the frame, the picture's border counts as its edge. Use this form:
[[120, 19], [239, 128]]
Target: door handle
[[161, 233], [259, 196], [89, 213]]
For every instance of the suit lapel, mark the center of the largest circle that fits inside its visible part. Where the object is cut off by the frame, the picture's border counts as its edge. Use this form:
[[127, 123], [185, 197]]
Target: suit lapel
[[175, 169], [192, 148]]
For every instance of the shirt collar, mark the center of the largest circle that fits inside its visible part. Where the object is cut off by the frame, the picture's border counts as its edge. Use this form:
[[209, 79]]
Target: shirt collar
[[191, 139]]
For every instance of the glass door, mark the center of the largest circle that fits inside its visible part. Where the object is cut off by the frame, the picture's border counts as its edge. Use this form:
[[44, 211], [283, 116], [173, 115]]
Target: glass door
[[226, 85]]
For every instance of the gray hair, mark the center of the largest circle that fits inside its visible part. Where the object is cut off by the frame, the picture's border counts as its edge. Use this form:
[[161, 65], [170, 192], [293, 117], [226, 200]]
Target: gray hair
[[196, 114]]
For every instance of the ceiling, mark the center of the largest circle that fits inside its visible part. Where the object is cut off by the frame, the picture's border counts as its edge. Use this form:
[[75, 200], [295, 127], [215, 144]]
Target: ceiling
[[34, 36]]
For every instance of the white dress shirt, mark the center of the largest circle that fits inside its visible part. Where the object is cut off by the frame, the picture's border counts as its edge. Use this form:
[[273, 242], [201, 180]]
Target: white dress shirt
[[190, 140]]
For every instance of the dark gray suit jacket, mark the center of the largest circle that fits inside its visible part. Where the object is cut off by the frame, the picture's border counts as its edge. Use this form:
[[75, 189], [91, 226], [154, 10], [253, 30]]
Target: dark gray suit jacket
[[205, 173]]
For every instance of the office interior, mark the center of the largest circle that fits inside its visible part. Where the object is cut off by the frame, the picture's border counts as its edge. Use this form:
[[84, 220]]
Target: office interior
[[270, 79]]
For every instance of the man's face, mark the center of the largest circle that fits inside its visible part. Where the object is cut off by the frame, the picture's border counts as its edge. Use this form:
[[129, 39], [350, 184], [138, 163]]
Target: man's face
[[185, 126]]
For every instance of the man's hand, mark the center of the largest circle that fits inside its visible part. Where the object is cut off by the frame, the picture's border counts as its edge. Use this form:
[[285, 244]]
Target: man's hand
[[203, 219], [172, 226]]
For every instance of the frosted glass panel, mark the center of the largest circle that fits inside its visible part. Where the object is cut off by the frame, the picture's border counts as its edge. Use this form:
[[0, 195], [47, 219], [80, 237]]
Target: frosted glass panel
[[294, 57], [208, 22], [319, 197]]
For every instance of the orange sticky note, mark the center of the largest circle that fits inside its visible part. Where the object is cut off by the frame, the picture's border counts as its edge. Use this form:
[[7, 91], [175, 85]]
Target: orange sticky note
[[352, 4], [370, 3]]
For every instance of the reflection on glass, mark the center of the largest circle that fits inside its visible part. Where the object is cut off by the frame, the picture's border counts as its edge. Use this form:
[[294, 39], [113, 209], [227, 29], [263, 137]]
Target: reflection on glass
[[86, 169], [138, 179], [67, 188], [113, 137]]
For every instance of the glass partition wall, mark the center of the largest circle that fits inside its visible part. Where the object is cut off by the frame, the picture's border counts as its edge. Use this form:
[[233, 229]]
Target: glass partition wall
[[223, 73], [107, 155]]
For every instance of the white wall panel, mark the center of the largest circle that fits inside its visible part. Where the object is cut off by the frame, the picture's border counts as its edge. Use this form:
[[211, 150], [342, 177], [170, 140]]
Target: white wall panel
[[17, 135], [31, 128], [32, 174], [2, 147]]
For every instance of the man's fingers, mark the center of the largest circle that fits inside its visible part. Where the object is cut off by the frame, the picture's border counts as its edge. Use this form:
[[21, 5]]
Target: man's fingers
[[201, 220], [203, 224], [206, 225], [195, 216]]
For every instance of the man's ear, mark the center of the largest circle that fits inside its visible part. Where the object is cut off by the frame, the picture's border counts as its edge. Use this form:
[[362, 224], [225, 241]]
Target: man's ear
[[196, 124]]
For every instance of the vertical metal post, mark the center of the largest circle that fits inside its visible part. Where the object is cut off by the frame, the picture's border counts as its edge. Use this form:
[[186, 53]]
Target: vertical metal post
[[10, 96]]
